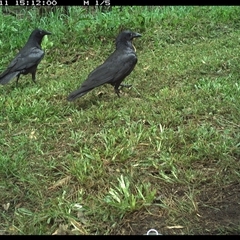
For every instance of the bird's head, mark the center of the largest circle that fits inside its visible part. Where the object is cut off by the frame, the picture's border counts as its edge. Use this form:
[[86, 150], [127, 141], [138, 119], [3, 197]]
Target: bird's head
[[41, 32], [38, 34], [126, 37]]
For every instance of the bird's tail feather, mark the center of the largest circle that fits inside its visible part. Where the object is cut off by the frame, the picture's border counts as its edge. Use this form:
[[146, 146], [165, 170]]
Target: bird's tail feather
[[76, 94], [5, 78]]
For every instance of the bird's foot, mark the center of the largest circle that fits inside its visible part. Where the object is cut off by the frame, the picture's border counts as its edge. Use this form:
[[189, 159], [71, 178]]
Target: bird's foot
[[117, 91]]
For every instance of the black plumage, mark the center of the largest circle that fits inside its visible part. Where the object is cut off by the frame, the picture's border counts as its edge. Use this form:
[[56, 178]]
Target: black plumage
[[27, 59], [116, 67]]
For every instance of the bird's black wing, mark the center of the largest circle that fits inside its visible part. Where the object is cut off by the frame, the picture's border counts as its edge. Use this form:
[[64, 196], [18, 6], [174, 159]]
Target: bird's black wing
[[115, 68], [26, 59], [23, 61]]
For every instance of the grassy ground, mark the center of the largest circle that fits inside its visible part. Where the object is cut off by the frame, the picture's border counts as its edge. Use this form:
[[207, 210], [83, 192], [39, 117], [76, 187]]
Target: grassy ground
[[165, 155]]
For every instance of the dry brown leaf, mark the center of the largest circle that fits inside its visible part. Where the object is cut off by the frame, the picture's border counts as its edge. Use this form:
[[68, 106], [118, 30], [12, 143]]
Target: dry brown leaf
[[6, 206], [62, 230], [32, 135], [175, 227], [146, 68], [18, 205], [60, 183], [78, 226], [134, 48]]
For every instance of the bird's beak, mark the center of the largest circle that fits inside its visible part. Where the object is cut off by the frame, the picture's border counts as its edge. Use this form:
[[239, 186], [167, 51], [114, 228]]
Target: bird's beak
[[136, 35], [47, 33]]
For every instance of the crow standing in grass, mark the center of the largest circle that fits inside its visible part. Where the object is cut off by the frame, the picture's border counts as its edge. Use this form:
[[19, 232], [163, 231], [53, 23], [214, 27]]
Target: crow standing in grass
[[27, 59], [113, 71]]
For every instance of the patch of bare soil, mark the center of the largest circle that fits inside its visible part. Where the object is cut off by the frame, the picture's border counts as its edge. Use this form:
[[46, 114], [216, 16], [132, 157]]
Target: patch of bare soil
[[218, 211]]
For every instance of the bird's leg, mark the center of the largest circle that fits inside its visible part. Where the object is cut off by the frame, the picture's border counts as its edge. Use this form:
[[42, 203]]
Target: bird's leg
[[17, 79], [117, 91], [34, 77]]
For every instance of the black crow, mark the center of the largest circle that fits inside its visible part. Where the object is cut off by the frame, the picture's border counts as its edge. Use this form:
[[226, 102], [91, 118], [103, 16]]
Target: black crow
[[27, 59], [113, 71]]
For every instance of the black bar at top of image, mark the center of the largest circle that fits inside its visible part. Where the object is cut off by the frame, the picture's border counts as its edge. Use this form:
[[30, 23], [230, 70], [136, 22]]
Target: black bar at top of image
[[59, 3], [97, 3], [71, 3], [75, 3], [78, 3]]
